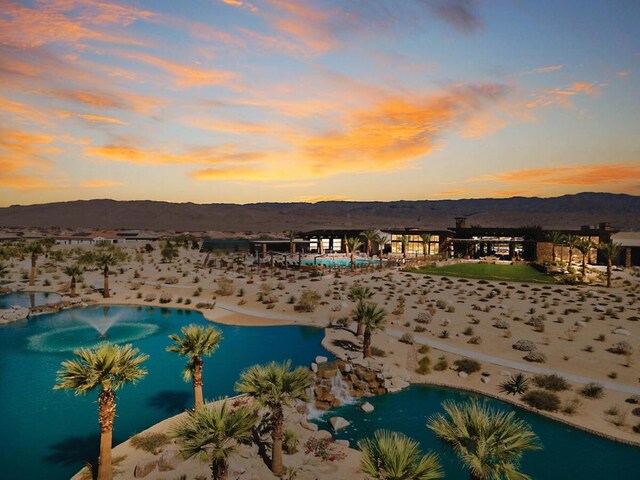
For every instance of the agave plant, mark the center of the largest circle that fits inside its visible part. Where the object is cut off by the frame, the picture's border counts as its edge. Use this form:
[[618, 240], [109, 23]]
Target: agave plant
[[516, 385]]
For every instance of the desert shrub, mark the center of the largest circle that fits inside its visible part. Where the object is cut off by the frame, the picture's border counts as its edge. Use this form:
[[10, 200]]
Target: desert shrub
[[535, 356], [166, 297], [308, 301], [150, 297], [441, 365], [467, 365], [324, 448], [419, 329], [407, 338], [150, 442], [501, 324], [592, 390], [225, 287], [621, 348], [552, 382], [542, 400], [168, 280], [475, 340], [636, 428], [424, 317], [424, 349], [524, 346], [468, 331], [424, 365], [290, 442], [571, 406], [378, 352]]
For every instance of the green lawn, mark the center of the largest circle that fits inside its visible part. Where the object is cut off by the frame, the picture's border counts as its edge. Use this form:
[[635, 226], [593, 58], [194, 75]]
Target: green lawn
[[489, 271]]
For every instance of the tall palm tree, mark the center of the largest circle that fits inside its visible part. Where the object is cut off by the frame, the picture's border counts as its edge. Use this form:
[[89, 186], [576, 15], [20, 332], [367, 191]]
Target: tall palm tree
[[369, 237], [489, 442], [426, 243], [291, 235], [381, 239], [353, 244], [555, 238], [34, 249], [404, 240], [373, 318], [107, 367], [48, 243], [394, 456], [73, 271], [359, 294], [212, 434], [610, 252], [572, 241], [584, 246], [169, 251], [275, 386], [104, 260], [196, 341]]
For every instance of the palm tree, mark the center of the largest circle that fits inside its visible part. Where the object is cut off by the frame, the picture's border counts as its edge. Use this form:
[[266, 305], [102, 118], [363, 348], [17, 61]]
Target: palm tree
[[213, 434], [275, 386], [195, 342], [48, 243], [104, 260], [572, 241], [584, 246], [489, 442], [610, 252], [373, 318], [394, 456], [291, 235], [73, 271], [168, 251], [426, 244], [107, 367], [4, 270], [353, 243], [555, 238], [381, 240], [369, 236], [404, 240], [34, 249], [359, 294], [516, 385]]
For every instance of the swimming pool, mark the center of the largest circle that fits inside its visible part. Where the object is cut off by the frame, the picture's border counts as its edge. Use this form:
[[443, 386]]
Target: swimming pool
[[50, 435], [339, 262], [568, 452], [28, 299]]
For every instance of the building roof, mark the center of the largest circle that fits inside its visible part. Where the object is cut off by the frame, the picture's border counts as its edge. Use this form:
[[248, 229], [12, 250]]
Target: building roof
[[627, 239]]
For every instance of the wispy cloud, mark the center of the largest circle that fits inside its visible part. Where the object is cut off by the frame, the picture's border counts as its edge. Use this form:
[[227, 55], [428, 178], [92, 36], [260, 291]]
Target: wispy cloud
[[460, 14], [581, 175], [100, 184]]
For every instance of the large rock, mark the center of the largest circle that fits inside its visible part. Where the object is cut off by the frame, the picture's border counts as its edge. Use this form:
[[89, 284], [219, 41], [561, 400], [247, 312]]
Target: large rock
[[13, 314], [463, 374], [145, 467], [338, 423], [366, 407], [621, 331], [320, 359], [484, 379], [169, 460], [307, 425]]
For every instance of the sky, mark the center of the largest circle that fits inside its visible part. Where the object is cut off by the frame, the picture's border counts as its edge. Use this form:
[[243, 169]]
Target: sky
[[233, 101]]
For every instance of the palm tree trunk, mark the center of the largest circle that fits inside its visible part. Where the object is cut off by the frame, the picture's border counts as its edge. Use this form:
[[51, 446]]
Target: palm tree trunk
[[353, 259], [106, 282], [584, 267], [32, 277], [276, 451], [553, 252], [198, 399], [219, 469], [73, 287], [609, 267], [106, 414], [360, 330], [366, 343]]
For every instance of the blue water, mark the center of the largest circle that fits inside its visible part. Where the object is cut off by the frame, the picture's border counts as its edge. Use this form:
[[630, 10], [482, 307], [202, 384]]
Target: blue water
[[338, 262], [567, 453], [50, 435], [28, 299]]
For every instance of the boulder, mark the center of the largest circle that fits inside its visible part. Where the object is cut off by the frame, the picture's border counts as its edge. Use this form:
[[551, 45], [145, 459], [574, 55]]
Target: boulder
[[484, 379], [145, 467], [342, 443], [348, 368], [362, 362], [505, 373], [366, 407], [621, 331], [169, 460], [13, 314], [463, 374], [338, 423], [599, 309], [320, 359], [307, 425], [314, 367]]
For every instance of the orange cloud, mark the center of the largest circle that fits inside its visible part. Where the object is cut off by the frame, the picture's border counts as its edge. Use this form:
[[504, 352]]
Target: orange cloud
[[101, 119], [241, 4], [100, 184], [547, 69], [184, 75], [561, 96], [583, 175], [107, 99]]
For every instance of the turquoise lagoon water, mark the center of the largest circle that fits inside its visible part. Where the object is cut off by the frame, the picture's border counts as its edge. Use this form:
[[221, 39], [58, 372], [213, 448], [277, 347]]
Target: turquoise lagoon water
[[338, 262], [567, 453], [28, 299], [50, 435]]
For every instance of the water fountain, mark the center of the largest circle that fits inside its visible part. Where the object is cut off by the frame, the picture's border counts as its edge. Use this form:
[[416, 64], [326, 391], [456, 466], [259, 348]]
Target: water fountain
[[104, 323], [340, 390]]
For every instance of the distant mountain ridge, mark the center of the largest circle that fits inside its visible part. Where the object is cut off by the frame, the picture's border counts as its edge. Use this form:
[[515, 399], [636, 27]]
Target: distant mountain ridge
[[567, 211]]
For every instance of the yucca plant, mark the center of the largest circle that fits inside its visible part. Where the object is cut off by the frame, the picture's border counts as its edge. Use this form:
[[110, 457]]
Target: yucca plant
[[515, 385], [108, 368], [394, 456], [196, 342], [489, 442]]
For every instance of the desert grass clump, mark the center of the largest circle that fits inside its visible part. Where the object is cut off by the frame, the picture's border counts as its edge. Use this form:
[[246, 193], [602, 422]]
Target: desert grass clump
[[592, 390], [467, 365], [542, 400], [553, 382], [424, 365], [536, 357], [151, 442]]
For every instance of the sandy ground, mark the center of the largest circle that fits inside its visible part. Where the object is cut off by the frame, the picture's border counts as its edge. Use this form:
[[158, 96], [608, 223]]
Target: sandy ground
[[578, 322]]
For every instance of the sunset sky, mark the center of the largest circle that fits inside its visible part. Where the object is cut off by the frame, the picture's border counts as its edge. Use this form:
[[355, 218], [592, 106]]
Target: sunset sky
[[304, 100]]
